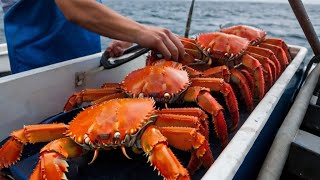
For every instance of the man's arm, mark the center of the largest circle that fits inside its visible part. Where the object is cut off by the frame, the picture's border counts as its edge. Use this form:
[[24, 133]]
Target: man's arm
[[100, 19]]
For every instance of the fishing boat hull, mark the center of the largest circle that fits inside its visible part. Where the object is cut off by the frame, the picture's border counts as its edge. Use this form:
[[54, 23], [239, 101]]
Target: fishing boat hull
[[32, 96]]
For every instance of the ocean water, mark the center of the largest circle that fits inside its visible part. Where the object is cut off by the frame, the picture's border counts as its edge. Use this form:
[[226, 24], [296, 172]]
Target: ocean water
[[277, 19]]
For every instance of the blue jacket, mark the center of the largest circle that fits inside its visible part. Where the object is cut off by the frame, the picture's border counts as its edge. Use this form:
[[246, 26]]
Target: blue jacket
[[38, 34]]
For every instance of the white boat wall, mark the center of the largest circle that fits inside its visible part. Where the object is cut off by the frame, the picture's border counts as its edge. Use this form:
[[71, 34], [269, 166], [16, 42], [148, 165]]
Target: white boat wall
[[32, 96], [4, 60]]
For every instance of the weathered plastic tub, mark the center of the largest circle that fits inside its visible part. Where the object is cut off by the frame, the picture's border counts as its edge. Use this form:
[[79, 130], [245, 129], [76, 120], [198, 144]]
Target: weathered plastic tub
[[30, 97]]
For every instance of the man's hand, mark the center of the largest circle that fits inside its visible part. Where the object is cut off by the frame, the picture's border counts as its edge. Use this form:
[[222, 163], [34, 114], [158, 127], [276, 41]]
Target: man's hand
[[117, 47], [161, 39]]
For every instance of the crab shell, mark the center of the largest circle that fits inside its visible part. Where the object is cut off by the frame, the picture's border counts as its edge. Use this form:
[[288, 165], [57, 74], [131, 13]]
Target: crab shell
[[254, 35], [222, 46], [163, 83], [112, 123]]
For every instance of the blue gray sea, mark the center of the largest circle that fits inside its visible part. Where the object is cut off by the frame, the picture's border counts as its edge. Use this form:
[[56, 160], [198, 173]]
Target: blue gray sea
[[276, 18]]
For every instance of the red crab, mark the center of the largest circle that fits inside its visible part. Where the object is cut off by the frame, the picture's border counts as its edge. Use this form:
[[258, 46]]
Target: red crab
[[196, 57], [254, 62], [118, 123], [271, 53], [169, 83], [257, 37], [230, 50]]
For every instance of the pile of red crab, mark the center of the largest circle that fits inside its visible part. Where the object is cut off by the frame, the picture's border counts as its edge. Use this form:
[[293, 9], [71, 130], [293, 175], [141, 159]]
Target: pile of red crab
[[239, 62]]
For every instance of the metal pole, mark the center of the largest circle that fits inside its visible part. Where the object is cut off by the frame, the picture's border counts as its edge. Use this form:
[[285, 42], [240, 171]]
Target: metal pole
[[306, 25], [186, 34]]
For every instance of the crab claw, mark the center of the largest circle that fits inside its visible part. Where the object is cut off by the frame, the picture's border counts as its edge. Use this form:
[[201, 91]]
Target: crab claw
[[51, 166], [10, 152], [154, 144], [52, 161]]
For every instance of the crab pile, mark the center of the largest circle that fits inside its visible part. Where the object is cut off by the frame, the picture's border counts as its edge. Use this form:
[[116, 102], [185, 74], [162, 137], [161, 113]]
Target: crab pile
[[244, 53], [240, 63]]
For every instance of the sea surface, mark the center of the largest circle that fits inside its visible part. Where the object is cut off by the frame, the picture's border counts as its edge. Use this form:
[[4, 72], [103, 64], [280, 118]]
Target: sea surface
[[277, 19]]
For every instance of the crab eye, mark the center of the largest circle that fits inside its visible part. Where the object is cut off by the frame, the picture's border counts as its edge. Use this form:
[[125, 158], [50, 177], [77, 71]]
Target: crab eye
[[167, 96], [117, 135]]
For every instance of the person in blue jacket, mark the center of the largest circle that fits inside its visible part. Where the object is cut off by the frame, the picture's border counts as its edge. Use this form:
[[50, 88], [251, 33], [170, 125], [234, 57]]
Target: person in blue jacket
[[43, 32]]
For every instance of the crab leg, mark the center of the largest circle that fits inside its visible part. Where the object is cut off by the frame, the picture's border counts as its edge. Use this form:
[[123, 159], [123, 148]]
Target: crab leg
[[192, 49], [182, 121], [278, 52], [111, 85], [204, 99], [255, 68], [185, 41], [219, 85], [240, 80], [192, 72], [52, 161], [268, 67], [193, 54], [187, 117], [11, 151], [184, 138], [218, 72], [248, 76], [108, 97], [214, 72], [154, 144], [280, 43], [266, 53], [88, 95]]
